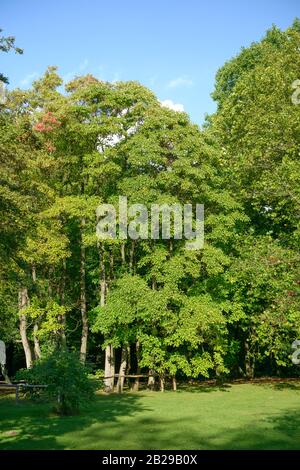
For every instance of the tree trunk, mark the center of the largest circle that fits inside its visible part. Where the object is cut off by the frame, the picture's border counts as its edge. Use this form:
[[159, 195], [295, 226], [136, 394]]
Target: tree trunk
[[63, 339], [85, 327], [123, 253], [131, 256], [162, 383], [102, 283], [174, 383], [248, 365], [111, 267], [122, 370], [109, 371], [33, 274], [128, 365], [151, 380], [23, 303], [37, 349], [138, 369], [112, 367], [170, 247]]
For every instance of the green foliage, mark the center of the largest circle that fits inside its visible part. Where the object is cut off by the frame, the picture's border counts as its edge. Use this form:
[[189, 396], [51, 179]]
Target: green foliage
[[7, 43], [66, 378], [231, 307], [264, 281], [258, 126], [48, 318]]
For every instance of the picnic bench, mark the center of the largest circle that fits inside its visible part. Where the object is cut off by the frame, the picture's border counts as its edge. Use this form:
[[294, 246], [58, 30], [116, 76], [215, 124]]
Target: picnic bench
[[18, 387]]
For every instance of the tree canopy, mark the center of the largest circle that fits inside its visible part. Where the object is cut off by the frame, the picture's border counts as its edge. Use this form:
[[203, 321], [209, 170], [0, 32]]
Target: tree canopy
[[229, 308]]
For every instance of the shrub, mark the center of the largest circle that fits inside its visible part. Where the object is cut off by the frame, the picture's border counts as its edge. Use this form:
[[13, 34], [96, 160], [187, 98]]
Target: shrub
[[66, 379], [97, 376]]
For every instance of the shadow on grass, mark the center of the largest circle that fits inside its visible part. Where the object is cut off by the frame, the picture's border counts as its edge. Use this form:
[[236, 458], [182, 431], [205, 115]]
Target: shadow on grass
[[124, 422], [279, 385], [30, 425], [289, 423], [280, 433], [203, 388], [287, 386]]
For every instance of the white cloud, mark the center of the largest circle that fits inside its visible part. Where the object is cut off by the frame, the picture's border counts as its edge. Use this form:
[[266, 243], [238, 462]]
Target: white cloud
[[28, 79], [111, 140], [179, 81], [174, 106]]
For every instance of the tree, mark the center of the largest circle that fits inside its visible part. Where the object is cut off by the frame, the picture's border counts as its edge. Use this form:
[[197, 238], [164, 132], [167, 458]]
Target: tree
[[162, 301], [257, 125], [7, 44], [66, 379], [230, 307]]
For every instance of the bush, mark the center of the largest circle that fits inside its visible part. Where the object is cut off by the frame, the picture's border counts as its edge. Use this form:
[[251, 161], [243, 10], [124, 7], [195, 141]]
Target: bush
[[66, 379], [98, 378]]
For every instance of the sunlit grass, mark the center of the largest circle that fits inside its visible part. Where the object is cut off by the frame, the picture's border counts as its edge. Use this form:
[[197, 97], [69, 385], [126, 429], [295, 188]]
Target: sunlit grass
[[246, 416]]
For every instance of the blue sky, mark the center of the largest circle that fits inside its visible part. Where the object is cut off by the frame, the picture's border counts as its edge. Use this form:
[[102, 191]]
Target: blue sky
[[172, 46]]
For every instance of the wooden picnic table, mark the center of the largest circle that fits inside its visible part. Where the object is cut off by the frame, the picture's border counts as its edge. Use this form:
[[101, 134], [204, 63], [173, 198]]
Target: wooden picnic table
[[18, 386]]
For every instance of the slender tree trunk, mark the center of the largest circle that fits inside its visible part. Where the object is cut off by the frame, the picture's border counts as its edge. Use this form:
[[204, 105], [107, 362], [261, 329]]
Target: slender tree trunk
[[162, 383], [248, 364], [112, 368], [174, 383], [111, 267], [151, 380], [138, 369], [170, 247], [33, 274], [103, 293], [37, 349], [122, 370], [23, 303], [131, 256], [128, 358], [85, 327], [128, 365], [63, 339], [109, 369], [123, 257], [102, 276]]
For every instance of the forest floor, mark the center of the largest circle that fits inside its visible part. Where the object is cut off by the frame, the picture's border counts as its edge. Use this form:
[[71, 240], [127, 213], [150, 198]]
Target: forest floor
[[232, 416]]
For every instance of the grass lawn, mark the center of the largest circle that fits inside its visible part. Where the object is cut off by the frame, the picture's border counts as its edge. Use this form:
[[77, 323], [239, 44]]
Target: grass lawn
[[244, 416]]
